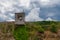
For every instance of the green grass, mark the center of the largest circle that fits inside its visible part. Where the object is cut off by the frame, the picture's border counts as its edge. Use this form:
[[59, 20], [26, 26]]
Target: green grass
[[30, 28], [53, 28], [21, 33]]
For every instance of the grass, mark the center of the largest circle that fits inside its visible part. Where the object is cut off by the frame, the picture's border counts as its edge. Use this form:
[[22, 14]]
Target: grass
[[53, 28], [29, 29], [21, 33]]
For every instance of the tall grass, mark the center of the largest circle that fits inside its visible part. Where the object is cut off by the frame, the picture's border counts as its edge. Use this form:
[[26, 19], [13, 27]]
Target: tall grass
[[20, 33], [25, 31]]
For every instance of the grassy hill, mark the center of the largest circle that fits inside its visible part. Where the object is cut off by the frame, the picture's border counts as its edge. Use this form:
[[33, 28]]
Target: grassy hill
[[32, 30]]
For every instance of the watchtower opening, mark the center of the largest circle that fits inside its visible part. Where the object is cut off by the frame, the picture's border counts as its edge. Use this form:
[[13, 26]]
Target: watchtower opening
[[20, 18]]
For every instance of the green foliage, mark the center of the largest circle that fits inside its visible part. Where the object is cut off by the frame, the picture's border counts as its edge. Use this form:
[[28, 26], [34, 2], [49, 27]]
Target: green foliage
[[44, 22], [53, 28], [40, 29], [21, 33], [45, 27]]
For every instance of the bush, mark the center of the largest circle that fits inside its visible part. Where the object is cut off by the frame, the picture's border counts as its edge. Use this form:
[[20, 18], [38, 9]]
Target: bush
[[21, 33], [53, 28], [45, 27], [40, 29]]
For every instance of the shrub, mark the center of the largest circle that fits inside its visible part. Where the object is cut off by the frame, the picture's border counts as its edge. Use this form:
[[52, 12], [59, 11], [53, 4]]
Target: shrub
[[45, 27], [53, 28], [40, 29], [21, 33]]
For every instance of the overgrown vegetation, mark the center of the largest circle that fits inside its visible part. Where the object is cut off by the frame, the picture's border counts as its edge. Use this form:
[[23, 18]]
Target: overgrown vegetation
[[20, 33], [53, 28], [30, 28]]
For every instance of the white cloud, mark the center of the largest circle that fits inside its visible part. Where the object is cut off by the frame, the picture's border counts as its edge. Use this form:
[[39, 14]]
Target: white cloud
[[7, 5], [11, 14], [50, 14], [14, 6], [49, 3], [4, 17], [50, 19], [44, 2], [34, 15], [10, 19], [25, 3]]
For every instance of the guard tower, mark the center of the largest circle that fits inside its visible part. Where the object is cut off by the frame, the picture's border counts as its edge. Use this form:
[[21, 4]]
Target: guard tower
[[20, 18]]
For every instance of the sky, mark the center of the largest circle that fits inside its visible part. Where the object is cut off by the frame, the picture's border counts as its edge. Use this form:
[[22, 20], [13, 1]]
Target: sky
[[35, 10]]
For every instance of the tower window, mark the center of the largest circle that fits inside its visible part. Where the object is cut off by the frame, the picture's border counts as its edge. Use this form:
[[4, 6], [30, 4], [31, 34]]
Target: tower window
[[20, 18]]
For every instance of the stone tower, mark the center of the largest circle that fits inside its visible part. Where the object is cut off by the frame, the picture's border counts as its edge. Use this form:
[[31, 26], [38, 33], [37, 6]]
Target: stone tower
[[20, 18]]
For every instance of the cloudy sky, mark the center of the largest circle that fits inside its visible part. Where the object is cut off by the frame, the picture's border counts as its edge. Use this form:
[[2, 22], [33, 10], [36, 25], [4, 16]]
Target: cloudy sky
[[35, 10]]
